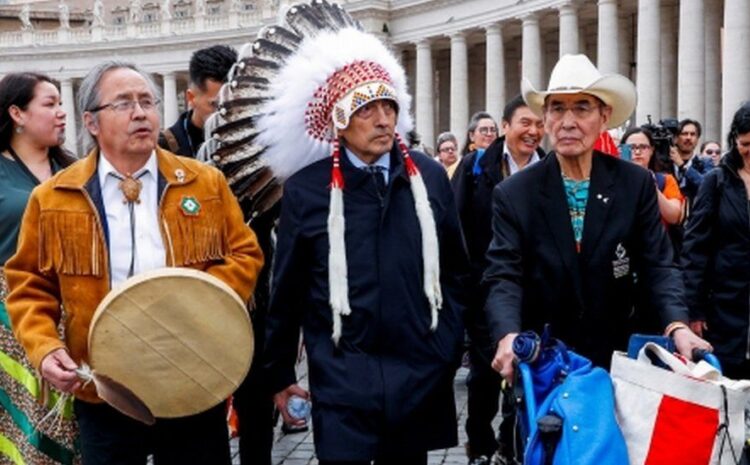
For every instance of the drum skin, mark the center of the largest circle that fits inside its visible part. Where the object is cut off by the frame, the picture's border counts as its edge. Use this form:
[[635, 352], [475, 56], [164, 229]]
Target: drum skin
[[180, 339]]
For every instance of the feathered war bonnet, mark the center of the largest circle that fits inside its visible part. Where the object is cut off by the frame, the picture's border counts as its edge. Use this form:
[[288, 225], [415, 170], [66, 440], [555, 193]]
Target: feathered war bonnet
[[326, 68]]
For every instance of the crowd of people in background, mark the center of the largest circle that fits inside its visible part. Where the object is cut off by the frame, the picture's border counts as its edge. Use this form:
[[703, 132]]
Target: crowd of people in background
[[536, 224]]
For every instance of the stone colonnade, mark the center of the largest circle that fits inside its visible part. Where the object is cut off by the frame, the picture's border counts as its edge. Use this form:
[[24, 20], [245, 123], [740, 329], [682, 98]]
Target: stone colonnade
[[671, 49]]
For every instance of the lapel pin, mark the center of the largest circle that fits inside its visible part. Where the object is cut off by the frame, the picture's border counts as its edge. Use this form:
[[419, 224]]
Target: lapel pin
[[180, 174]]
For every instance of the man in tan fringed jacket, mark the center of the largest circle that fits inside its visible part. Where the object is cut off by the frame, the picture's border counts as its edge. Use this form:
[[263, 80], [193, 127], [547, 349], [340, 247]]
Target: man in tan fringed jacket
[[127, 208]]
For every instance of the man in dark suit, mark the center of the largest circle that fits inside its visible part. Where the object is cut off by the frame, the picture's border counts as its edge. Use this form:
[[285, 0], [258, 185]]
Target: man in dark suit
[[571, 231], [472, 184]]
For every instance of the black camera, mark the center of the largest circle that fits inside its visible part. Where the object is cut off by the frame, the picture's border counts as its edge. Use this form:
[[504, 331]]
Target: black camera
[[663, 135]]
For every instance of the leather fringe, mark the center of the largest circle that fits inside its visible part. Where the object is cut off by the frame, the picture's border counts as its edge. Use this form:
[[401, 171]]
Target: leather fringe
[[69, 244], [202, 238]]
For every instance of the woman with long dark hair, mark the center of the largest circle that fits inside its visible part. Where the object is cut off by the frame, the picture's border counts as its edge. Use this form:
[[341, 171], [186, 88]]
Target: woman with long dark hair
[[32, 130], [716, 257]]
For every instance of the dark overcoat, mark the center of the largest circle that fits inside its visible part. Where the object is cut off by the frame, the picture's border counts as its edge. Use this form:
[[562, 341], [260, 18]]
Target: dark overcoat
[[474, 199], [536, 276], [387, 389], [474, 203], [716, 261]]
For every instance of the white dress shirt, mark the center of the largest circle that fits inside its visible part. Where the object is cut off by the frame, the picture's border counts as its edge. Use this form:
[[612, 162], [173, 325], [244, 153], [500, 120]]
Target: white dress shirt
[[149, 246], [512, 166]]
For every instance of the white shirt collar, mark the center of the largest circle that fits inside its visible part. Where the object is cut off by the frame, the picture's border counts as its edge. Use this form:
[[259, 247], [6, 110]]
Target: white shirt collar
[[105, 167], [512, 166]]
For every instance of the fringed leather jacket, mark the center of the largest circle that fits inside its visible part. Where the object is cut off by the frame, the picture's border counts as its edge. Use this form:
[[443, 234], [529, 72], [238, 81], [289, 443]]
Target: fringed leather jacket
[[62, 260]]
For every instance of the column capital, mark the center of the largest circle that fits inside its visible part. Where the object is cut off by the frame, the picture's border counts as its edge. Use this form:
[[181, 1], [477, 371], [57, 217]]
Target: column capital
[[423, 42], [493, 28], [530, 17], [457, 36], [568, 8]]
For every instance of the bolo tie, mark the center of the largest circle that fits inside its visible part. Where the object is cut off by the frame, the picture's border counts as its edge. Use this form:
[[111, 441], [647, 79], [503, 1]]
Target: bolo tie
[[131, 191]]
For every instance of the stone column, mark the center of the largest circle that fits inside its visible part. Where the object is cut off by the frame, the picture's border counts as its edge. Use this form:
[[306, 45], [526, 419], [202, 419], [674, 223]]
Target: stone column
[[627, 47], [668, 61], [712, 120], [495, 85], [170, 99], [736, 69], [648, 71], [459, 86], [425, 94], [691, 61], [608, 46], [569, 29], [532, 66], [69, 106]]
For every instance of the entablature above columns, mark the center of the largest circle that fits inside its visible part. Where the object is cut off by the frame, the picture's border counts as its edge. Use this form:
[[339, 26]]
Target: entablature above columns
[[413, 20]]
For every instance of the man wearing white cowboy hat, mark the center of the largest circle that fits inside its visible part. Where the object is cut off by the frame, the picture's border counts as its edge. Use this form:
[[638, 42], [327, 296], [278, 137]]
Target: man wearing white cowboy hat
[[581, 224]]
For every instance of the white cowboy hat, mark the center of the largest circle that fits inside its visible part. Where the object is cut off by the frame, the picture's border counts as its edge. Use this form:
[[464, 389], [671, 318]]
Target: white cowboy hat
[[576, 74]]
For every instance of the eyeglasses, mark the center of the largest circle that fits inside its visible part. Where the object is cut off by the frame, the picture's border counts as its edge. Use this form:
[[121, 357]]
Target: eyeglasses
[[712, 151], [639, 147], [580, 110], [487, 130], [448, 149], [127, 106]]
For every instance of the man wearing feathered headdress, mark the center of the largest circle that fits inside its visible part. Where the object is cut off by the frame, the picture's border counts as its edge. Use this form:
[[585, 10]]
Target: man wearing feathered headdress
[[369, 258]]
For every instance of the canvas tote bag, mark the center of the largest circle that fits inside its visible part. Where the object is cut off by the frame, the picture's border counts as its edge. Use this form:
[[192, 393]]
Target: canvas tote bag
[[673, 417]]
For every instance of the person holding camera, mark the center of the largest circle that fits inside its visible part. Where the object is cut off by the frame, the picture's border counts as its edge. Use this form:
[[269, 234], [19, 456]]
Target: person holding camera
[[689, 166]]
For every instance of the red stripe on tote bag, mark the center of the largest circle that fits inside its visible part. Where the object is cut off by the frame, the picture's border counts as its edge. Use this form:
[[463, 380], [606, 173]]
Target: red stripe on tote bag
[[674, 443]]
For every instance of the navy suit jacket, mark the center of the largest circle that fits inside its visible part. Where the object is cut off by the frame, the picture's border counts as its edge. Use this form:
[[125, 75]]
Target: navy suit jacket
[[536, 276]]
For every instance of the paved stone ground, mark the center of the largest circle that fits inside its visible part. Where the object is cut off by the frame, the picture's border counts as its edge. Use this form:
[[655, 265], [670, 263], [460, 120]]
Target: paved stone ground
[[298, 449]]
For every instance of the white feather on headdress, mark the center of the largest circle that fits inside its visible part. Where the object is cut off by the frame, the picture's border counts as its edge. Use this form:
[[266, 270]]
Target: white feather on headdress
[[283, 129], [275, 118]]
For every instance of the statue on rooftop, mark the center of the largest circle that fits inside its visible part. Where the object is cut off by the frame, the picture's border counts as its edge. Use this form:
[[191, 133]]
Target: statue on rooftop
[[166, 13], [25, 17], [135, 11], [64, 15], [98, 12]]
